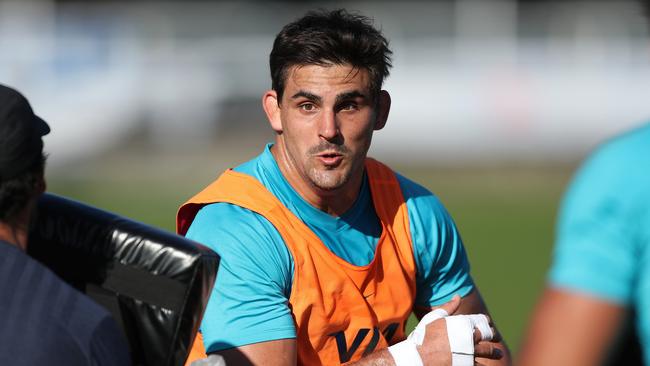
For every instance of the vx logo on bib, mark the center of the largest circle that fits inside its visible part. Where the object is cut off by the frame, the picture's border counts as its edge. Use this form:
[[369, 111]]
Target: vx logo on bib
[[345, 352]]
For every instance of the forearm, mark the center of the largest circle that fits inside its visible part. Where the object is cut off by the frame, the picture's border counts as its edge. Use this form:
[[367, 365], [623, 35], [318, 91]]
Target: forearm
[[570, 328], [378, 358]]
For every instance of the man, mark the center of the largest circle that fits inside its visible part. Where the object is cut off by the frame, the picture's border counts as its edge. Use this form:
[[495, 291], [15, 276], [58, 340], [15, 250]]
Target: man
[[43, 321], [325, 253], [600, 274]]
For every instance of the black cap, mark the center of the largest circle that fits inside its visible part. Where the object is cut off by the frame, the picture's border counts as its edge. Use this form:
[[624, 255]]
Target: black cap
[[21, 130]]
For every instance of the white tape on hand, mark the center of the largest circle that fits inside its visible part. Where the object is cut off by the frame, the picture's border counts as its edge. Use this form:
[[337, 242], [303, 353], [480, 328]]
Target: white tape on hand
[[481, 322], [211, 360], [417, 335], [460, 331], [405, 353]]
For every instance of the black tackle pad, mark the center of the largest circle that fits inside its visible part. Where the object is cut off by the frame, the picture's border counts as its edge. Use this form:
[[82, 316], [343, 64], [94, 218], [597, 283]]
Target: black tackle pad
[[155, 283]]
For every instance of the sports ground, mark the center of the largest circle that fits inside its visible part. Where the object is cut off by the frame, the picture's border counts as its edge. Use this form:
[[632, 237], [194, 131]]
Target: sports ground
[[505, 212]]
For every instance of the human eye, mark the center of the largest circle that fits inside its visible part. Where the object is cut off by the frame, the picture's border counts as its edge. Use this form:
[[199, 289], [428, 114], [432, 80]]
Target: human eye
[[307, 107], [348, 106]]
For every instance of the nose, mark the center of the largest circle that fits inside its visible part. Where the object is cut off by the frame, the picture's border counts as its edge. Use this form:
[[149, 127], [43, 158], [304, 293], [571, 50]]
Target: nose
[[328, 126]]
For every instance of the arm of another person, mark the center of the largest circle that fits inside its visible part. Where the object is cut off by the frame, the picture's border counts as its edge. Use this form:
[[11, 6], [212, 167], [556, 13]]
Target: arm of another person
[[570, 328], [591, 281]]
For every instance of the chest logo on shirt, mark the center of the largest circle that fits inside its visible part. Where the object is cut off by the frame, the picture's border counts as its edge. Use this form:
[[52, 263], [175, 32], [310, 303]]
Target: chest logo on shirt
[[345, 352]]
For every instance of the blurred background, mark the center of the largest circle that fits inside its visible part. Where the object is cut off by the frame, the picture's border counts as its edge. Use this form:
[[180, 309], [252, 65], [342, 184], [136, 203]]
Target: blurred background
[[495, 102]]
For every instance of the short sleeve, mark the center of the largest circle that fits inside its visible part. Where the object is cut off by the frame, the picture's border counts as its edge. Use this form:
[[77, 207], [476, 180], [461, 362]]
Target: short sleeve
[[596, 250], [442, 264], [249, 301]]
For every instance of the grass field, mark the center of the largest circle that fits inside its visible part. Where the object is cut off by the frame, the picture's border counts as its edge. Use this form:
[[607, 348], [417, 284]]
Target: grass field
[[505, 215]]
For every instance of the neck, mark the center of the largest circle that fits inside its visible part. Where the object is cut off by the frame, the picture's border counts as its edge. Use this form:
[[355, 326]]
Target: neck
[[334, 202], [15, 231], [14, 234]]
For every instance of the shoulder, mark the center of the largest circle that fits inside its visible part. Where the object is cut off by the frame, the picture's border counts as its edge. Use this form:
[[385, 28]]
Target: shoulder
[[74, 311], [243, 239], [49, 294], [63, 319], [613, 173], [217, 223], [224, 217], [603, 218], [629, 143], [422, 204], [442, 265], [625, 153]]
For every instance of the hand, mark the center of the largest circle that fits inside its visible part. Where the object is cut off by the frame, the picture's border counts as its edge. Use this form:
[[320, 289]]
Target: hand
[[433, 337], [211, 360]]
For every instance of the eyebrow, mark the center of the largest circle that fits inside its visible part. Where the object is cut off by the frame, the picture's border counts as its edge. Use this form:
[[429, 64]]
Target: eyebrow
[[350, 95], [339, 98], [308, 95]]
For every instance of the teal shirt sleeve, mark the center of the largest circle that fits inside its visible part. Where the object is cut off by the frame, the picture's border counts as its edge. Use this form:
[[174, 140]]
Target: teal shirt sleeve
[[249, 302], [440, 257], [597, 246]]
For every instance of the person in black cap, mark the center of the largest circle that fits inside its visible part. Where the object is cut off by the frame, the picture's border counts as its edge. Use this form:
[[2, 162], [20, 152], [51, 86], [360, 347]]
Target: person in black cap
[[43, 320]]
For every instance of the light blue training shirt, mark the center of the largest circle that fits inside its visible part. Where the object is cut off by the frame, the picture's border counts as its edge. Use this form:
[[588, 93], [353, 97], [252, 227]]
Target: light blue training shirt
[[603, 237], [249, 302]]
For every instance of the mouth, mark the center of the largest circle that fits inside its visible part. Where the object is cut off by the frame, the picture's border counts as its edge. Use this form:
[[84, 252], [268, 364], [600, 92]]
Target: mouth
[[330, 159]]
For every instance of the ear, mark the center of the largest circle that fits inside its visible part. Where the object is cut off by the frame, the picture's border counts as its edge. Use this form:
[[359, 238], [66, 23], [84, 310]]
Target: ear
[[383, 108], [271, 106]]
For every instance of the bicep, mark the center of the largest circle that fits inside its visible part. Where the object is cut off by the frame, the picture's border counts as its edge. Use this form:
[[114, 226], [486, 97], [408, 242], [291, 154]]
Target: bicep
[[570, 328], [280, 352], [440, 258], [249, 301]]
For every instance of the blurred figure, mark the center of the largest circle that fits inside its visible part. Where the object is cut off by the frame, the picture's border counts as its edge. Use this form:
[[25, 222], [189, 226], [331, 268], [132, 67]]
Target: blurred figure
[[325, 253], [600, 275], [43, 320]]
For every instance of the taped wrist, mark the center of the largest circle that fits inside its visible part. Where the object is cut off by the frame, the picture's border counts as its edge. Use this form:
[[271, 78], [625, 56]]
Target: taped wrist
[[405, 353], [211, 360], [417, 335]]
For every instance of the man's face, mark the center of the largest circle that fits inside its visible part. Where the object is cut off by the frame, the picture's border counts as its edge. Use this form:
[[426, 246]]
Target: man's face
[[325, 123]]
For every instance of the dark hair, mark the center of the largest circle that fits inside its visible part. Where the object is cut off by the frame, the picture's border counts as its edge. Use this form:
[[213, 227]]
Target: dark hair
[[330, 38], [646, 8], [16, 192]]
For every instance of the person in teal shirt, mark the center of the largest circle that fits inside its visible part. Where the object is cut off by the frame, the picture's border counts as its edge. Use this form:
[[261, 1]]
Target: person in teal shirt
[[251, 301], [596, 307], [325, 104], [601, 265]]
